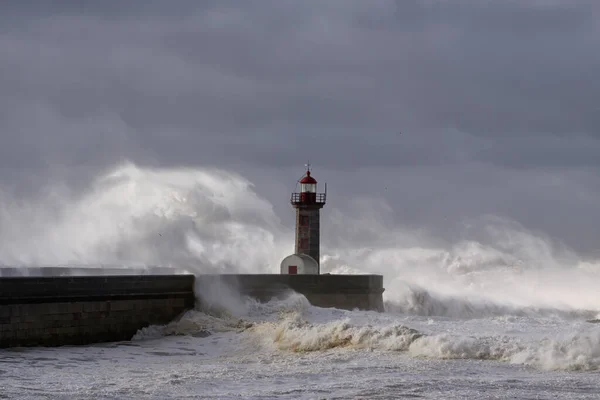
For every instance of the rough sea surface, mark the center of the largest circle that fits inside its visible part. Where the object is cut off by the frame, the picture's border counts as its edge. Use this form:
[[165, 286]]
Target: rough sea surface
[[287, 349]]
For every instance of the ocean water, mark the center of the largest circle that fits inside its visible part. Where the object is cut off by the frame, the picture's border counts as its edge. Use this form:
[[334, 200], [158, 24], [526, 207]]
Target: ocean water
[[499, 313], [287, 349]]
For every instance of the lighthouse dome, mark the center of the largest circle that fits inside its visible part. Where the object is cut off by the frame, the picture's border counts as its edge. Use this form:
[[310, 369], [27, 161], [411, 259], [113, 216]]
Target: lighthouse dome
[[308, 179]]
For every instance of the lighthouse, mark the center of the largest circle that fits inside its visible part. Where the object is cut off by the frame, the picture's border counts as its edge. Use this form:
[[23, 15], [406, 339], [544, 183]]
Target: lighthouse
[[308, 204]]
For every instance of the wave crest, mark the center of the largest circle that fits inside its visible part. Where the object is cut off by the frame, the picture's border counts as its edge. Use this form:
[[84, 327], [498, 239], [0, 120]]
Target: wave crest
[[299, 336]]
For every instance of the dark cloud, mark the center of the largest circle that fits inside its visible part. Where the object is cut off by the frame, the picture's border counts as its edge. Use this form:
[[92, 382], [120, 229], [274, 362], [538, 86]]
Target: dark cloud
[[457, 108]]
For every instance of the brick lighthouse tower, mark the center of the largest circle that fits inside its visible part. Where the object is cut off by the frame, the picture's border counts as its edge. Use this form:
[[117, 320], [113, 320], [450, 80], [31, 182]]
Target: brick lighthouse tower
[[308, 203]]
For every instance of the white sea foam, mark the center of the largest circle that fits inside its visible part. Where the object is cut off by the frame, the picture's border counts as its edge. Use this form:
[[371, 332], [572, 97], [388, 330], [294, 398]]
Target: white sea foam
[[413, 300], [292, 325], [573, 351], [577, 351], [444, 346], [193, 323], [297, 335]]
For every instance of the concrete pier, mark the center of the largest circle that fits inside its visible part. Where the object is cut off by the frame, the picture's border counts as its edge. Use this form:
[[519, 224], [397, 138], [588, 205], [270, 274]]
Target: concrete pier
[[348, 292], [48, 311], [75, 310]]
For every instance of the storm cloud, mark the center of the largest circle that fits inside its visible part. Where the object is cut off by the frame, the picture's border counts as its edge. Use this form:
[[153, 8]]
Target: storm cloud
[[444, 110]]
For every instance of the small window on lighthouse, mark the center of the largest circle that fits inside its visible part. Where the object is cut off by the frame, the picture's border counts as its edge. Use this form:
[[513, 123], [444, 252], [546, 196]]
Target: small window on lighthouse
[[308, 187]]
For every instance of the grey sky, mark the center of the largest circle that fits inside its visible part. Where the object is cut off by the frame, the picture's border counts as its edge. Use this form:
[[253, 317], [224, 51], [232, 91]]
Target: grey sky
[[498, 102]]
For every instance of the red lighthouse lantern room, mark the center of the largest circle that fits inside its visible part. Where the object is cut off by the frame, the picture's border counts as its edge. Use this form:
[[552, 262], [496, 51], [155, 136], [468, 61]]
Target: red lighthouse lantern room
[[308, 189], [308, 195]]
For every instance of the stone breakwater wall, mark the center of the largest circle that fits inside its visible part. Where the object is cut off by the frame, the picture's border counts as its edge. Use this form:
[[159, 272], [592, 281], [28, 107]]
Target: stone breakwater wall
[[77, 310], [47, 311], [348, 292]]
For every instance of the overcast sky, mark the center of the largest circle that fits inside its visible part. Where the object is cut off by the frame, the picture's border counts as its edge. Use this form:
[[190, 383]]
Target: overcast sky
[[446, 109]]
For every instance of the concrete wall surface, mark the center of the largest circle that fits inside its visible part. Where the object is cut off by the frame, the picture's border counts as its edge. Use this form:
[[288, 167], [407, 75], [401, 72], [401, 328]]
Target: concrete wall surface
[[363, 292], [48, 311], [83, 270]]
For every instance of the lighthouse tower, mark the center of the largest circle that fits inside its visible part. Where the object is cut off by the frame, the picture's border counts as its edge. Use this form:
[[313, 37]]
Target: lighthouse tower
[[307, 203]]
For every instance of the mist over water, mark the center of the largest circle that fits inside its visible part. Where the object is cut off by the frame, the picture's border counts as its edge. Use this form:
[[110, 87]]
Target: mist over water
[[211, 221]]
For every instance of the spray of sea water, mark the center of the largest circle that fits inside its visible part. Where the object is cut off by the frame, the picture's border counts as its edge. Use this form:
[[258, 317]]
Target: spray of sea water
[[498, 313]]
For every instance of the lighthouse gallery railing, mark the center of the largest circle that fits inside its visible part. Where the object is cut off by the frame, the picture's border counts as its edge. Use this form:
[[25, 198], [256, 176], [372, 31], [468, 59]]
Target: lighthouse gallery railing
[[318, 198]]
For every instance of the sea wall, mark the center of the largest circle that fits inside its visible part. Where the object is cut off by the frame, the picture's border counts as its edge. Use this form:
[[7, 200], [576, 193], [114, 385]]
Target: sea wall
[[74, 310], [54, 311], [86, 270], [348, 292]]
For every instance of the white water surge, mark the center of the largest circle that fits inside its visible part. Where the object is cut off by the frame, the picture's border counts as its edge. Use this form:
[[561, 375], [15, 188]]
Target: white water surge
[[499, 313]]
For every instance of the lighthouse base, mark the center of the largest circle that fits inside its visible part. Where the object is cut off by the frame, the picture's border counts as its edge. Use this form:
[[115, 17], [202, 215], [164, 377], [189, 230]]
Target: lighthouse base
[[347, 292]]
